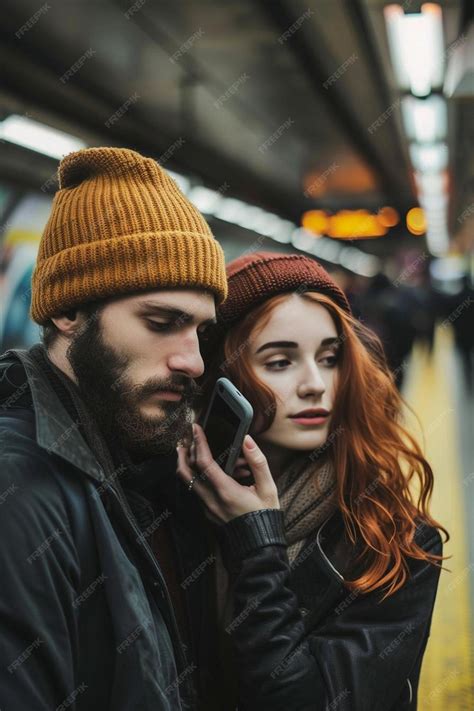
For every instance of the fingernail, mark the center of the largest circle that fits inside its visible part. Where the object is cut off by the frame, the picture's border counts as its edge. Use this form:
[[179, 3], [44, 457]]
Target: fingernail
[[249, 442]]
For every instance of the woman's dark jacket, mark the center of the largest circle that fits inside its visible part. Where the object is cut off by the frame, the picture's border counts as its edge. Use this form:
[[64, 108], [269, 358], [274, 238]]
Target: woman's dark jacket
[[303, 641]]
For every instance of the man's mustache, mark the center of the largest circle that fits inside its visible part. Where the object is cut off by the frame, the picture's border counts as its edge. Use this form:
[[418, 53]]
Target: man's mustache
[[188, 388]]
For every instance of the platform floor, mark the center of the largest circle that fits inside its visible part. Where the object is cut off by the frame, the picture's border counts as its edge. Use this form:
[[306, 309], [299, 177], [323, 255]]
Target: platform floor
[[435, 390]]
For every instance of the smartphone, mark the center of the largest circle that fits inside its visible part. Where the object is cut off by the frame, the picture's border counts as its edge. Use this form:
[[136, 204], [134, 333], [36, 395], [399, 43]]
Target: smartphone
[[226, 422]]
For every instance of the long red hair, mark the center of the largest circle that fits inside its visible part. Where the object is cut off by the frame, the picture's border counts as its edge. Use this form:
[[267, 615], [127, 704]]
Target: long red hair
[[376, 459]]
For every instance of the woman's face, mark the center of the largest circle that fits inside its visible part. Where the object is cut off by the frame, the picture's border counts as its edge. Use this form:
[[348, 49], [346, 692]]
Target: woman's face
[[295, 355]]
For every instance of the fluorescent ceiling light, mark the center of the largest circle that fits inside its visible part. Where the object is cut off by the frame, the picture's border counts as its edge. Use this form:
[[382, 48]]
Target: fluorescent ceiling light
[[459, 81], [303, 240], [425, 120], [181, 180], [38, 137], [250, 216], [450, 268], [230, 210], [329, 249], [435, 203], [206, 200], [430, 184], [416, 47], [429, 158], [357, 261], [283, 232], [437, 241], [271, 225]]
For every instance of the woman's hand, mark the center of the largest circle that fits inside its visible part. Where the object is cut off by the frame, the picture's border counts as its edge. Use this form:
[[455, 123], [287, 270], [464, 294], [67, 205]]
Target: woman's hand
[[223, 497]]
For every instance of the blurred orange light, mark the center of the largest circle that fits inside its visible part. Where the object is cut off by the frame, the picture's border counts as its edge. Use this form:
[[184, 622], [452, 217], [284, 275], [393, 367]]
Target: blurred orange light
[[315, 221], [354, 224], [349, 224], [388, 216], [416, 221], [431, 7]]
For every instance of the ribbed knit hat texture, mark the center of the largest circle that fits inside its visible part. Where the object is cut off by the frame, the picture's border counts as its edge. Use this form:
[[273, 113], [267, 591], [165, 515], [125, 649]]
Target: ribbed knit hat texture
[[119, 224], [254, 278]]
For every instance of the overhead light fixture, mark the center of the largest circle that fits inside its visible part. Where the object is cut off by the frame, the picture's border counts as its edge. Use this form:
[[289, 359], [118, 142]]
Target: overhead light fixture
[[459, 80], [425, 120], [416, 47], [437, 241], [431, 184], [434, 203], [429, 158], [38, 137], [388, 216], [271, 225], [416, 221], [181, 180], [302, 239], [315, 221], [207, 201], [346, 224]]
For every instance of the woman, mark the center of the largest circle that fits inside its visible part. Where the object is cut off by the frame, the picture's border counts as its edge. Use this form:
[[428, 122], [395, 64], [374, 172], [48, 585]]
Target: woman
[[330, 563]]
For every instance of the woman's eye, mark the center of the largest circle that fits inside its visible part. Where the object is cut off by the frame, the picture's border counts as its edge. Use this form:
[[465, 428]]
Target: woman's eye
[[158, 326], [331, 361], [282, 362]]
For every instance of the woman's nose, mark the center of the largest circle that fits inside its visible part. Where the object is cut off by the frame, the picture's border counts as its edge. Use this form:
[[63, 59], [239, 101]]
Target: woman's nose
[[312, 383]]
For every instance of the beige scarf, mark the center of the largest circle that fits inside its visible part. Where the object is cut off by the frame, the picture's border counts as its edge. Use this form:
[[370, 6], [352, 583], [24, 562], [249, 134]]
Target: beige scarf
[[307, 495]]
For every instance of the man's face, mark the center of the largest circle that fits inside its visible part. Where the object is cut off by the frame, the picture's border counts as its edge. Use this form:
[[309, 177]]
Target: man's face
[[135, 362]]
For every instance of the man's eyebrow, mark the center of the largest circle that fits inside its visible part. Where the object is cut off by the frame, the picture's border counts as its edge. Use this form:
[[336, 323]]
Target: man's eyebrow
[[292, 344], [177, 314]]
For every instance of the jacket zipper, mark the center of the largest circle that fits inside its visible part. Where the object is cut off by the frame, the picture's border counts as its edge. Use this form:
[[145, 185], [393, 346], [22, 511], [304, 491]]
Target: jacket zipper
[[323, 554]]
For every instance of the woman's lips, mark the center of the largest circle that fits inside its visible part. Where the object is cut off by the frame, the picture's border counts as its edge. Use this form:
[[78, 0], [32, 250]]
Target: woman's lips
[[310, 421]]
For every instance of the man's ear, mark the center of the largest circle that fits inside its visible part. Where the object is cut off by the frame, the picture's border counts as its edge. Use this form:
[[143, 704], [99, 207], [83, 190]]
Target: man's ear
[[69, 322]]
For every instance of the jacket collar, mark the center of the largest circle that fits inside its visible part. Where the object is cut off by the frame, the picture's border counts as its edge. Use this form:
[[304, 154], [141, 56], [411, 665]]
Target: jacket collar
[[56, 432]]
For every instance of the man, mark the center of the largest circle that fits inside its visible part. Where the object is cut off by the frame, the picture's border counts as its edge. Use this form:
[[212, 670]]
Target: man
[[99, 543]]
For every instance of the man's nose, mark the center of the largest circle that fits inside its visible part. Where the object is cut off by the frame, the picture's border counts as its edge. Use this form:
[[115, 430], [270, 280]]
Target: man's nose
[[187, 359]]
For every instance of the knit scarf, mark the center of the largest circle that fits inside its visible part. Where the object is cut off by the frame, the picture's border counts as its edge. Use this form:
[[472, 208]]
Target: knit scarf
[[307, 495]]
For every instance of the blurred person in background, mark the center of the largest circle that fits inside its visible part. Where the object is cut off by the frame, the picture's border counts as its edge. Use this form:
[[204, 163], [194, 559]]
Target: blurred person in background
[[95, 548], [327, 562], [457, 311]]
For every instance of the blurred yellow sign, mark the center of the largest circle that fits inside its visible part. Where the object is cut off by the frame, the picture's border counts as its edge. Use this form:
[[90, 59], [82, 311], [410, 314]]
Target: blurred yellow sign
[[346, 224]]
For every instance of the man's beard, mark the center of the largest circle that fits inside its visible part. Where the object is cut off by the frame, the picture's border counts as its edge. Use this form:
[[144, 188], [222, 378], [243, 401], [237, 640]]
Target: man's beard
[[114, 402]]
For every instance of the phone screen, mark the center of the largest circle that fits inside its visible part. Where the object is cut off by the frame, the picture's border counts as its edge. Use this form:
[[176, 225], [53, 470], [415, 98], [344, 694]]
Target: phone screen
[[221, 427]]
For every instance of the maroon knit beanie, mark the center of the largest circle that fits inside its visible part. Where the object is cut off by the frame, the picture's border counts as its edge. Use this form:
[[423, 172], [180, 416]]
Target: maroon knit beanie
[[254, 278]]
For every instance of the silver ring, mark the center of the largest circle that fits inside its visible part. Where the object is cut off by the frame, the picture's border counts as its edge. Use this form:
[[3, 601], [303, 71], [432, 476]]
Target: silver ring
[[191, 482]]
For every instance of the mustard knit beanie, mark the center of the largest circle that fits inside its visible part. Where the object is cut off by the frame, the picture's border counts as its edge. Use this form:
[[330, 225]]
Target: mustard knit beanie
[[119, 224]]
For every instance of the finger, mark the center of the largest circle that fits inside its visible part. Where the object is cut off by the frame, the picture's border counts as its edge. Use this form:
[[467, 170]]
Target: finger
[[258, 464], [242, 471], [225, 487], [192, 455], [204, 459], [183, 469], [185, 473]]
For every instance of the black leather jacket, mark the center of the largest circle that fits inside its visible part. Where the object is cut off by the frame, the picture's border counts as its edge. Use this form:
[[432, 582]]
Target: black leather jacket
[[302, 641], [86, 619]]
